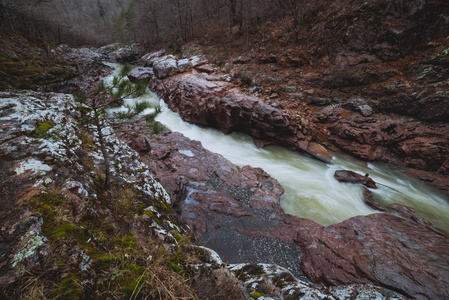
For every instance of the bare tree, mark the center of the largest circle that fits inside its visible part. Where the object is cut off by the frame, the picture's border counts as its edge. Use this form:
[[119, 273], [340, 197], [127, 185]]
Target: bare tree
[[296, 10]]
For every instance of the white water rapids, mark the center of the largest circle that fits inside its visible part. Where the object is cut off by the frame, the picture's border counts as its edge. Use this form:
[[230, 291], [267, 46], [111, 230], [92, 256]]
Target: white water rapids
[[311, 191]]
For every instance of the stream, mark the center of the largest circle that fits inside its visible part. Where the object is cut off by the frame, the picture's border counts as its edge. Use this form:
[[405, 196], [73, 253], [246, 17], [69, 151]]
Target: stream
[[311, 191]]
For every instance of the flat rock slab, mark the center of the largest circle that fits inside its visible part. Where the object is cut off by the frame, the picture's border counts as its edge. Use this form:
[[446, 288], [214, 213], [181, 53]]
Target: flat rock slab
[[400, 250], [231, 209]]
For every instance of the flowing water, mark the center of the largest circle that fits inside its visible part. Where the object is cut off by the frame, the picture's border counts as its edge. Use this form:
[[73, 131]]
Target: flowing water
[[311, 191]]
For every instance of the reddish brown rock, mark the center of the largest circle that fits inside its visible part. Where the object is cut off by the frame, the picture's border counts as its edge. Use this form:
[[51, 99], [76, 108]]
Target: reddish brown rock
[[319, 152], [438, 180], [397, 250], [391, 138], [234, 209], [207, 68], [369, 200], [219, 104], [353, 177], [230, 209]]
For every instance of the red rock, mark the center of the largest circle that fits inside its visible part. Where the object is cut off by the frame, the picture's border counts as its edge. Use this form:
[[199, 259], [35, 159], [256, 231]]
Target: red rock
[[390, 138], [222, 203], [218, 104], [352, 177], [207, 68], [227, 207], [318, 151], [398, 251]]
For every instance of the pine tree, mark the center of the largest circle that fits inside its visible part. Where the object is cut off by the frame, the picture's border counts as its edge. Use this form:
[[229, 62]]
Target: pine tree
[[103, 97]]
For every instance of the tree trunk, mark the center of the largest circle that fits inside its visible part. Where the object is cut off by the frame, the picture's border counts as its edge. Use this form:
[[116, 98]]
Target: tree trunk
[[107, 163]]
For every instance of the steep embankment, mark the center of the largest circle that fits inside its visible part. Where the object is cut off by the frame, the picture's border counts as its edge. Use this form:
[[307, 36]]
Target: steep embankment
[[369, 79], [29, 64]]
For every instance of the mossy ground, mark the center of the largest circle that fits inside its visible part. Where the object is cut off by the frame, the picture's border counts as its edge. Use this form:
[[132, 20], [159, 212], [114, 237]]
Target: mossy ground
[[28, 64], [97, 256]]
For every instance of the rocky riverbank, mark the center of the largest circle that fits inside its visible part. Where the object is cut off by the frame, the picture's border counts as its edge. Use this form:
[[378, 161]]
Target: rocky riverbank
[[368, 79], [64, 235], [221, 209], [353, 125]]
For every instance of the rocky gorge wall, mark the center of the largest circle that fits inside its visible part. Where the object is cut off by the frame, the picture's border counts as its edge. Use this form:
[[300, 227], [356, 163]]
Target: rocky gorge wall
[[379, 248], [353, 126], [64, 235]]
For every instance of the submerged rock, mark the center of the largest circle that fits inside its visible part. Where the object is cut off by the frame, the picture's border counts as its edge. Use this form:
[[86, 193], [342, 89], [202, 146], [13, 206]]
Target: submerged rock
[[352, 177]]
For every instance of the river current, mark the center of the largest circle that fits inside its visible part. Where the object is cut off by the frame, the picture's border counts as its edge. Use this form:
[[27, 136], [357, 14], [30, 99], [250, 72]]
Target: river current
[[311, 191]]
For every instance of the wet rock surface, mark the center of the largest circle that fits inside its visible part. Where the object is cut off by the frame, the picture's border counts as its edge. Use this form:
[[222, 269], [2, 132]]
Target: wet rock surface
[[218, 104], [398, 250], [361, 126], [370, 243], [353, 177], [236, 212], [52, 213], [392, 138], [232, 210]]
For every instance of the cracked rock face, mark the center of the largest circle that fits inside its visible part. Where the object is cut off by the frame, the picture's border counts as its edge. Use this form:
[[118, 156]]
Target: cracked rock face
[[35, 162], [220, 105], [362, 250]]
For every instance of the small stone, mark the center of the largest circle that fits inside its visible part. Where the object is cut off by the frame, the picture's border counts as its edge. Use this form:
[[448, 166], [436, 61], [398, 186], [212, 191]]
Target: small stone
[[310, 91], [242, 60]]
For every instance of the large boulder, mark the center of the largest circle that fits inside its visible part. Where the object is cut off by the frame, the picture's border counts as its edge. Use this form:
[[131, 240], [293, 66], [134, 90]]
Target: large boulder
[[140, 73], [165, 66], [219, 104], [125, 54], [148, 59], [398, 250]]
